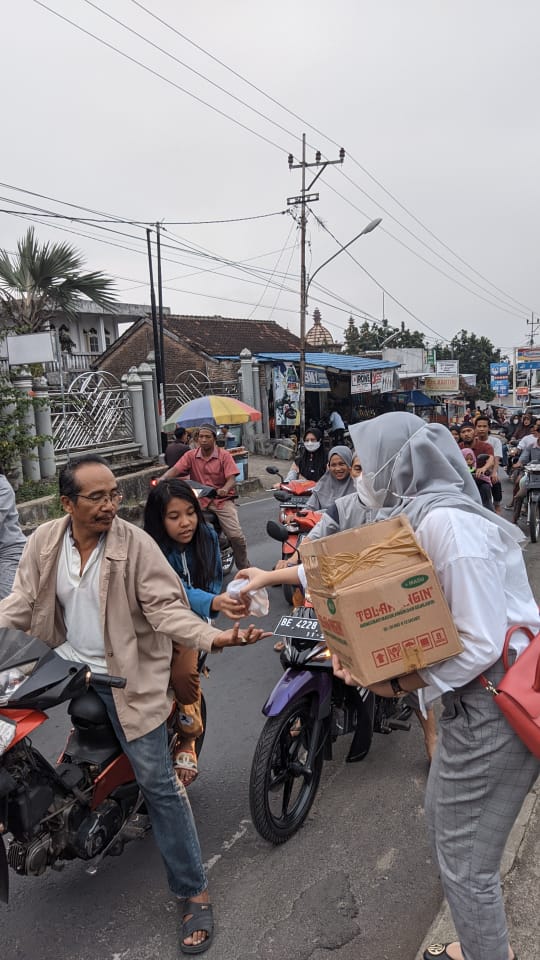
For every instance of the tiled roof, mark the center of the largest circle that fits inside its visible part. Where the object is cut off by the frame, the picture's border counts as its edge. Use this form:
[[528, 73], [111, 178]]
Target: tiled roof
[[219, 335]]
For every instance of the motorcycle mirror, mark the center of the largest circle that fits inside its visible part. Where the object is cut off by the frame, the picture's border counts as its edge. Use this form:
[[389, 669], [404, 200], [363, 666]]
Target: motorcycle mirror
[[274, 471], [277, 531]]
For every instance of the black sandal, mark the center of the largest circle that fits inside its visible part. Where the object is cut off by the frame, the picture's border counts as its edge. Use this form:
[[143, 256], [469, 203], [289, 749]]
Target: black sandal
[[200, 918], [438, 951]]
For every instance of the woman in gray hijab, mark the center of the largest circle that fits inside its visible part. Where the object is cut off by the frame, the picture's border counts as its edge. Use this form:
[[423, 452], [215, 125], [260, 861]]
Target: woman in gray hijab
[[336, 482], [481, 771]]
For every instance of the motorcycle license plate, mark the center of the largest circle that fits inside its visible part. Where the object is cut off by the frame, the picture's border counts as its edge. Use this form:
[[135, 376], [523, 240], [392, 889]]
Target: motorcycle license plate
[[301, 627]]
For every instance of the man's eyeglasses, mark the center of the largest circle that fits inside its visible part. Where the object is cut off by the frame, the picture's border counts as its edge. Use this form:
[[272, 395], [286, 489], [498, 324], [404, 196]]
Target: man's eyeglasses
[[115, 497]]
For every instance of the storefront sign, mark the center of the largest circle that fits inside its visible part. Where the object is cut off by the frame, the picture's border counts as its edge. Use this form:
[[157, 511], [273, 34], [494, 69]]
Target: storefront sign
[[439, 385], [528, 358], [316, 379], [382, 381], [469, 378], [447, 368], [361, 382]]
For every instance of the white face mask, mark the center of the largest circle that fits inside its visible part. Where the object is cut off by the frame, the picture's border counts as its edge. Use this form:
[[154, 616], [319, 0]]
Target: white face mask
[[365, 488], [312, 445], [367, 494]]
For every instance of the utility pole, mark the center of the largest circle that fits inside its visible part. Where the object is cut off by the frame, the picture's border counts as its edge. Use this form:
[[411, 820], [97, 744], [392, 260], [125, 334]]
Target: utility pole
[[305, 198], [155, 330], [534, 324], [160, 321]]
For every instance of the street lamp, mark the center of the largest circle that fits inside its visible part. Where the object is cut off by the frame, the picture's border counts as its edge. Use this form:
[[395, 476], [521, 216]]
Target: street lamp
[[367, 229], [389, 339]]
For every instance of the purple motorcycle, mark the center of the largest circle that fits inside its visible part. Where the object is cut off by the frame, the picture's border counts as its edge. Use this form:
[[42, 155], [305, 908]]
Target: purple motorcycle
[[307, 710]]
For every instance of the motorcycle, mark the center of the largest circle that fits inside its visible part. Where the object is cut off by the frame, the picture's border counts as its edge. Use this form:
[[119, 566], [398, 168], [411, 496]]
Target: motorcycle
[[307, 710], [88, 805], [532, 472], [225, 548], [294, 517]]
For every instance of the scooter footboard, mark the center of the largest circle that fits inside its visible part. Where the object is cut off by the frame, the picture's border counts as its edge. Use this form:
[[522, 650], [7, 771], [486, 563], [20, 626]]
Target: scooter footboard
[[300, 683]]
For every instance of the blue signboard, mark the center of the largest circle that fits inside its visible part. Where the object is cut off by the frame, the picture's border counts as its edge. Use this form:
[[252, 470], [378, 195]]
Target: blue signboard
[[500, 386], [316, 379], [499, 369], [528, 358]]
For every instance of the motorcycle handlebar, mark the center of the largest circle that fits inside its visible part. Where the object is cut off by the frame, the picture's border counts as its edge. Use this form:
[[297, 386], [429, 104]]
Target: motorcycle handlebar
[[104, 680]]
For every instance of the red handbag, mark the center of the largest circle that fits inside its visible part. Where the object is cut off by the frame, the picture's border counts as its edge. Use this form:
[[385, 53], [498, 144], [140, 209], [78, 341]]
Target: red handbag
[[518, 693]]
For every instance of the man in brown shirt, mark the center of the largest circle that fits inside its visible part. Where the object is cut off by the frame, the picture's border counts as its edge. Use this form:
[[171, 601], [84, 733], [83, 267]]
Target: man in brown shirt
[[467, 438]]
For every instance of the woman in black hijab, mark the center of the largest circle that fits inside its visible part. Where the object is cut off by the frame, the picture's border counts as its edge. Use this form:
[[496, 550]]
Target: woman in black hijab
[[310, 464]]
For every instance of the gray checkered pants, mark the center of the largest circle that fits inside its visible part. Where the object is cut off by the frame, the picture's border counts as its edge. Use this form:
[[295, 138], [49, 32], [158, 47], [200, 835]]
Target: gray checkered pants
[[478, 780]]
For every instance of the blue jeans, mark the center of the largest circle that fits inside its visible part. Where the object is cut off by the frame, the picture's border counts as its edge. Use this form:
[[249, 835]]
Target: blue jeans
[[167, 804]]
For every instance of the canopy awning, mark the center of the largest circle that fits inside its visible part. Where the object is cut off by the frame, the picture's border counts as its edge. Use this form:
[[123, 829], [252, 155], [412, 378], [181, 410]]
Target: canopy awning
[[419, 399]]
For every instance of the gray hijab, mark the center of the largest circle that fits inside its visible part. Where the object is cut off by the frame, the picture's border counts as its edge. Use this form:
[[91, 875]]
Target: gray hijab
[[420, 467], [328, 489]]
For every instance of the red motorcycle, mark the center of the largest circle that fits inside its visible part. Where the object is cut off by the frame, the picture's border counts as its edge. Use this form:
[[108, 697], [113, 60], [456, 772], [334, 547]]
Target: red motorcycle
[[86, 806], [295, 517]]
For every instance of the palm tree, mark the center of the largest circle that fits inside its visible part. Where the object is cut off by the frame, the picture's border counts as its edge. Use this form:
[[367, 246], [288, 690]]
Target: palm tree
[[41, 279]]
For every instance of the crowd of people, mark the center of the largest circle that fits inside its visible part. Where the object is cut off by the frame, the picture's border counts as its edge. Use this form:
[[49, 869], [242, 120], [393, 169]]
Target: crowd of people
[[139, 603]]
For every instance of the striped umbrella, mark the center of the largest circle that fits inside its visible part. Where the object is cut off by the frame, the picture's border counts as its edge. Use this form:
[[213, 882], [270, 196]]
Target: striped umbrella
[[211, 409]]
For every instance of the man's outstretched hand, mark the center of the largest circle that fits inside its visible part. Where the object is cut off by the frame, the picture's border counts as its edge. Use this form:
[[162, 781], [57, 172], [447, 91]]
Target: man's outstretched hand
[[236, 637]]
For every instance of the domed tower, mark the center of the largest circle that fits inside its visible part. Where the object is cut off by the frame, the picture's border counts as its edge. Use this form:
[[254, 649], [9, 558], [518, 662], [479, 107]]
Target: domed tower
[[318, 336]]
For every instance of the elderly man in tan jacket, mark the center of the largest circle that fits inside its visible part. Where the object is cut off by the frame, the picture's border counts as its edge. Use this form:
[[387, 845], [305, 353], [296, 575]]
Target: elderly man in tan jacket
[[99, 591]]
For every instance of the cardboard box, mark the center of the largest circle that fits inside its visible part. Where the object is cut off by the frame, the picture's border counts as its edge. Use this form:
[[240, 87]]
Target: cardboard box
[[378, 600]]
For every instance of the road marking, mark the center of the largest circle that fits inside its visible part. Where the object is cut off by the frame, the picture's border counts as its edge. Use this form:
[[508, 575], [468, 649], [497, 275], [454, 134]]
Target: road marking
[[248, 503], [227, 845]]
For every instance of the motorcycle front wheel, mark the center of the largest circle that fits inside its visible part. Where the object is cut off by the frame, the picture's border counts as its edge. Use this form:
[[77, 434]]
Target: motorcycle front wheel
[[534, 518], [282, 787]]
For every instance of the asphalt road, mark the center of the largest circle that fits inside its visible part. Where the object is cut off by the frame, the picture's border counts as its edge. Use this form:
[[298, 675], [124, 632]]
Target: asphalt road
[[357, 880]]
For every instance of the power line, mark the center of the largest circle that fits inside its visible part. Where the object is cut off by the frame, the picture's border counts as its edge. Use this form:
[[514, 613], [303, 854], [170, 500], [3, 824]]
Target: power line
[[381, 287], [261, 298], [428, 247], [160, 76], [281, 288], [356, 312], [504, 308], [270, 120], [173, 223], [360, 166], [197, 73], [218, 86], [186, 249]]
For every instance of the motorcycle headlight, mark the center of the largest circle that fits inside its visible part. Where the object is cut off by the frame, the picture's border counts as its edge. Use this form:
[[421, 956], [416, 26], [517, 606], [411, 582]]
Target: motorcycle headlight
[[10, 680], [7, 733]]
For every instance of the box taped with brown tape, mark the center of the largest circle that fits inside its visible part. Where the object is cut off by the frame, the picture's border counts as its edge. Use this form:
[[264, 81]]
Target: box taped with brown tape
[[378, 600]]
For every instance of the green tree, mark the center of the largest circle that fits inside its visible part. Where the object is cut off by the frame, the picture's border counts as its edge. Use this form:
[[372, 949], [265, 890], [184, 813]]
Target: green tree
[[37, 281], [474, 354], [371, 336], [41, 279], [15, 439]]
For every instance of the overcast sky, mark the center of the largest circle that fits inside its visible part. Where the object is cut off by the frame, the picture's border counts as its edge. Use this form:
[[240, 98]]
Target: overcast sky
[[436, 100]]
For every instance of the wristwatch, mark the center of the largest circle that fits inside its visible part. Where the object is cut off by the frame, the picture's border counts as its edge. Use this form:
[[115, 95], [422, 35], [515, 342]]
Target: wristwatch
[[397, 688]]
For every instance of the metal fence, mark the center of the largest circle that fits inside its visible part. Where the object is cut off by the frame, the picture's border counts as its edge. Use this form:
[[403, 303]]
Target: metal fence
[[93, 413], [191, 384]]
